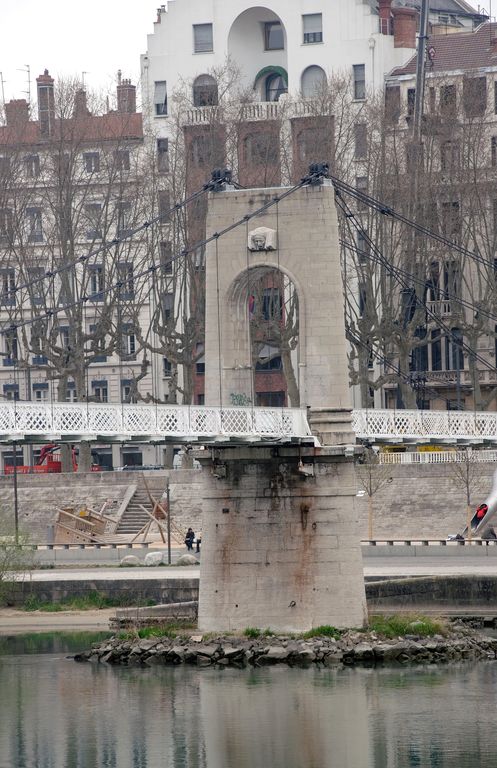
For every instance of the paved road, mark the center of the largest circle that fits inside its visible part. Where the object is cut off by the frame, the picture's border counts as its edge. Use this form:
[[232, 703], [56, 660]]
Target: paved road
[[380, 567]]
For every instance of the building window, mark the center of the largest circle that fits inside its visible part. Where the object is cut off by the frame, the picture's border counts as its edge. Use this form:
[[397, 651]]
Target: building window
[[454, 354], [451, 220], [163, 155], [71, 395], [273, 36], [449, 155], [448, 100], [411, 100], [166, 257], [11, 355], [312, 24], [261, 148], [359, 71], [96, 282], [200, 359], [97, 344], [361, 184], [205, 93], [128, 391], [6, 225], [167, 368], [363, 247], [160, 97], [272, 304], [93, 212], [100, 391], [436, 350], [313, 82], [275, 86], [40, 393], [34, 225], [456, 405], [123, 218], [32, 166], [91, 162], [168, 306], [202, 38], [392, 104], [126, 280], [8, 283], [360, 140], [271, 399], [164, 203], [474, 94], [493, 151], [128, 342], [201, 150], [122, 160]]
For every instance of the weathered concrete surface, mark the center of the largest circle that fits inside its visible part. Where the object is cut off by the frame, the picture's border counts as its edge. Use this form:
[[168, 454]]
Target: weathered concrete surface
[[454, 595], [280, 550], [422, 500]]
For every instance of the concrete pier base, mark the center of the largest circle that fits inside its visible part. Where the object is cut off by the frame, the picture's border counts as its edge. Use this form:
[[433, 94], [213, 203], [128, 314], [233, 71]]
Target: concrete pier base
[[280, 544]]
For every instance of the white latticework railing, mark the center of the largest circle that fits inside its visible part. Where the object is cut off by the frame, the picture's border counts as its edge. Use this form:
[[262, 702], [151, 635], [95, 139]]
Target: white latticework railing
[[437, 457], [117, 421], [428, 425]]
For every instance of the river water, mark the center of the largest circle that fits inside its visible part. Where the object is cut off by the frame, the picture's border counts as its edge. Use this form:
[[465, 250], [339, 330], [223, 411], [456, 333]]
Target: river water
[[55, 713]]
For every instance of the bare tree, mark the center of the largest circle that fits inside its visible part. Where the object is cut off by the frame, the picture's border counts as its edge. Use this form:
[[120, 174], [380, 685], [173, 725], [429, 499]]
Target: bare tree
[[372, 476]]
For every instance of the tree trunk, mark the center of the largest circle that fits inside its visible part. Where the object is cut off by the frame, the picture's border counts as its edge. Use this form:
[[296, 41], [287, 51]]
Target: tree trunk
[[291, 381], [370, 517]]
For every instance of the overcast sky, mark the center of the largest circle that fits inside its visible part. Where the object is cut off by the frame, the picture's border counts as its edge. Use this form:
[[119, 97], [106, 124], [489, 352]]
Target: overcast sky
[[68, 37]]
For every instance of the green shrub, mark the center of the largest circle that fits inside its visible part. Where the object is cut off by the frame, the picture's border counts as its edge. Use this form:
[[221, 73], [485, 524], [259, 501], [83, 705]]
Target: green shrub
[[406, 624], [252, 632]]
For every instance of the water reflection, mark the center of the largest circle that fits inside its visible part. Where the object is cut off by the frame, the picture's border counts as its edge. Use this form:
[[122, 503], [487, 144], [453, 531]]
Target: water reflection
[[58, 714]]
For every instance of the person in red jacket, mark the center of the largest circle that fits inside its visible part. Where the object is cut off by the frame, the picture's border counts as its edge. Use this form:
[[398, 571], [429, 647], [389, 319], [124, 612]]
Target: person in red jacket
[[481, 511]]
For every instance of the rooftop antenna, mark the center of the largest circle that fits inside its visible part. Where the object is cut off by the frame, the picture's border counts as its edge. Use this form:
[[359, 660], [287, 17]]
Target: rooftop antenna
[[27, 69]]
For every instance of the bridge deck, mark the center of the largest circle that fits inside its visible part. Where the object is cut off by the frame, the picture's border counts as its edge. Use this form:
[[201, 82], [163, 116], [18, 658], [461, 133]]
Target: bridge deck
[[116, 422]]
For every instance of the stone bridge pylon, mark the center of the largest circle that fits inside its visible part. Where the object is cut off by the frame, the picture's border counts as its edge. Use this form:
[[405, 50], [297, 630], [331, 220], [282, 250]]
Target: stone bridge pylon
[[281, 547]]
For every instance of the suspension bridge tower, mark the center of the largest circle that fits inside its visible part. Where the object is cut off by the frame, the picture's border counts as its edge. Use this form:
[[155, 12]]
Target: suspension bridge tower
[[281, 545]]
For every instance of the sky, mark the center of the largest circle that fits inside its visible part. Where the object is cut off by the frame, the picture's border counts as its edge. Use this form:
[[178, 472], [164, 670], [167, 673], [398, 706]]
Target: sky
[[67, 37]]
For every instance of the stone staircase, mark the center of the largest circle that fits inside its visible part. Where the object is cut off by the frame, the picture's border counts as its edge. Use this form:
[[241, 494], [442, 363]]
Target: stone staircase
[[134, 517]]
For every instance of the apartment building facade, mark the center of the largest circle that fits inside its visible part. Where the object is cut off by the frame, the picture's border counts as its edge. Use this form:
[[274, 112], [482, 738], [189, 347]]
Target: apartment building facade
[[74, 312], [454, 359]]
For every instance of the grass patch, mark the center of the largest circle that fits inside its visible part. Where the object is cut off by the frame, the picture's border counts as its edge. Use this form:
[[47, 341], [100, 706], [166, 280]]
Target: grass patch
[[407, 624], [165, 630], [326, 630], [252, 632], [90, 602]]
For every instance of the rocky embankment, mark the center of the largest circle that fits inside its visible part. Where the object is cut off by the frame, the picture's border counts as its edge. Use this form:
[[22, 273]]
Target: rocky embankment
[[350, 649]]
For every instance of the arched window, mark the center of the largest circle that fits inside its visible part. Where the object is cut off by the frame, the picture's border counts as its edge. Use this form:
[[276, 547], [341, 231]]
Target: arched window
[[205, 91], [313, 80], [275, 86]]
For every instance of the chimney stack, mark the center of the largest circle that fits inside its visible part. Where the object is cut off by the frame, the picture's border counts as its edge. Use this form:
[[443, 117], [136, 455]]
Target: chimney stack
[[17, 112], [126, 96], [46, 103], [404, 27], [385, 11], [80, 106]]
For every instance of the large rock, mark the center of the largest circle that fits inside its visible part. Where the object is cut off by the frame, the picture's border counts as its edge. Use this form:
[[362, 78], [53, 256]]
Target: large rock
[[130, 560], [153, 558], [187, 560]]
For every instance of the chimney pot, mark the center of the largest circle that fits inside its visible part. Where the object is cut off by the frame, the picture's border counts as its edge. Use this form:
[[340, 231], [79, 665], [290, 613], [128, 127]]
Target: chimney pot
[[126, 97]]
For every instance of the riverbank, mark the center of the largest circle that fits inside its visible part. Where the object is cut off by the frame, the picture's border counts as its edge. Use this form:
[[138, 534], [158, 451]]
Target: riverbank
[[13, 622], [349, 648]]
